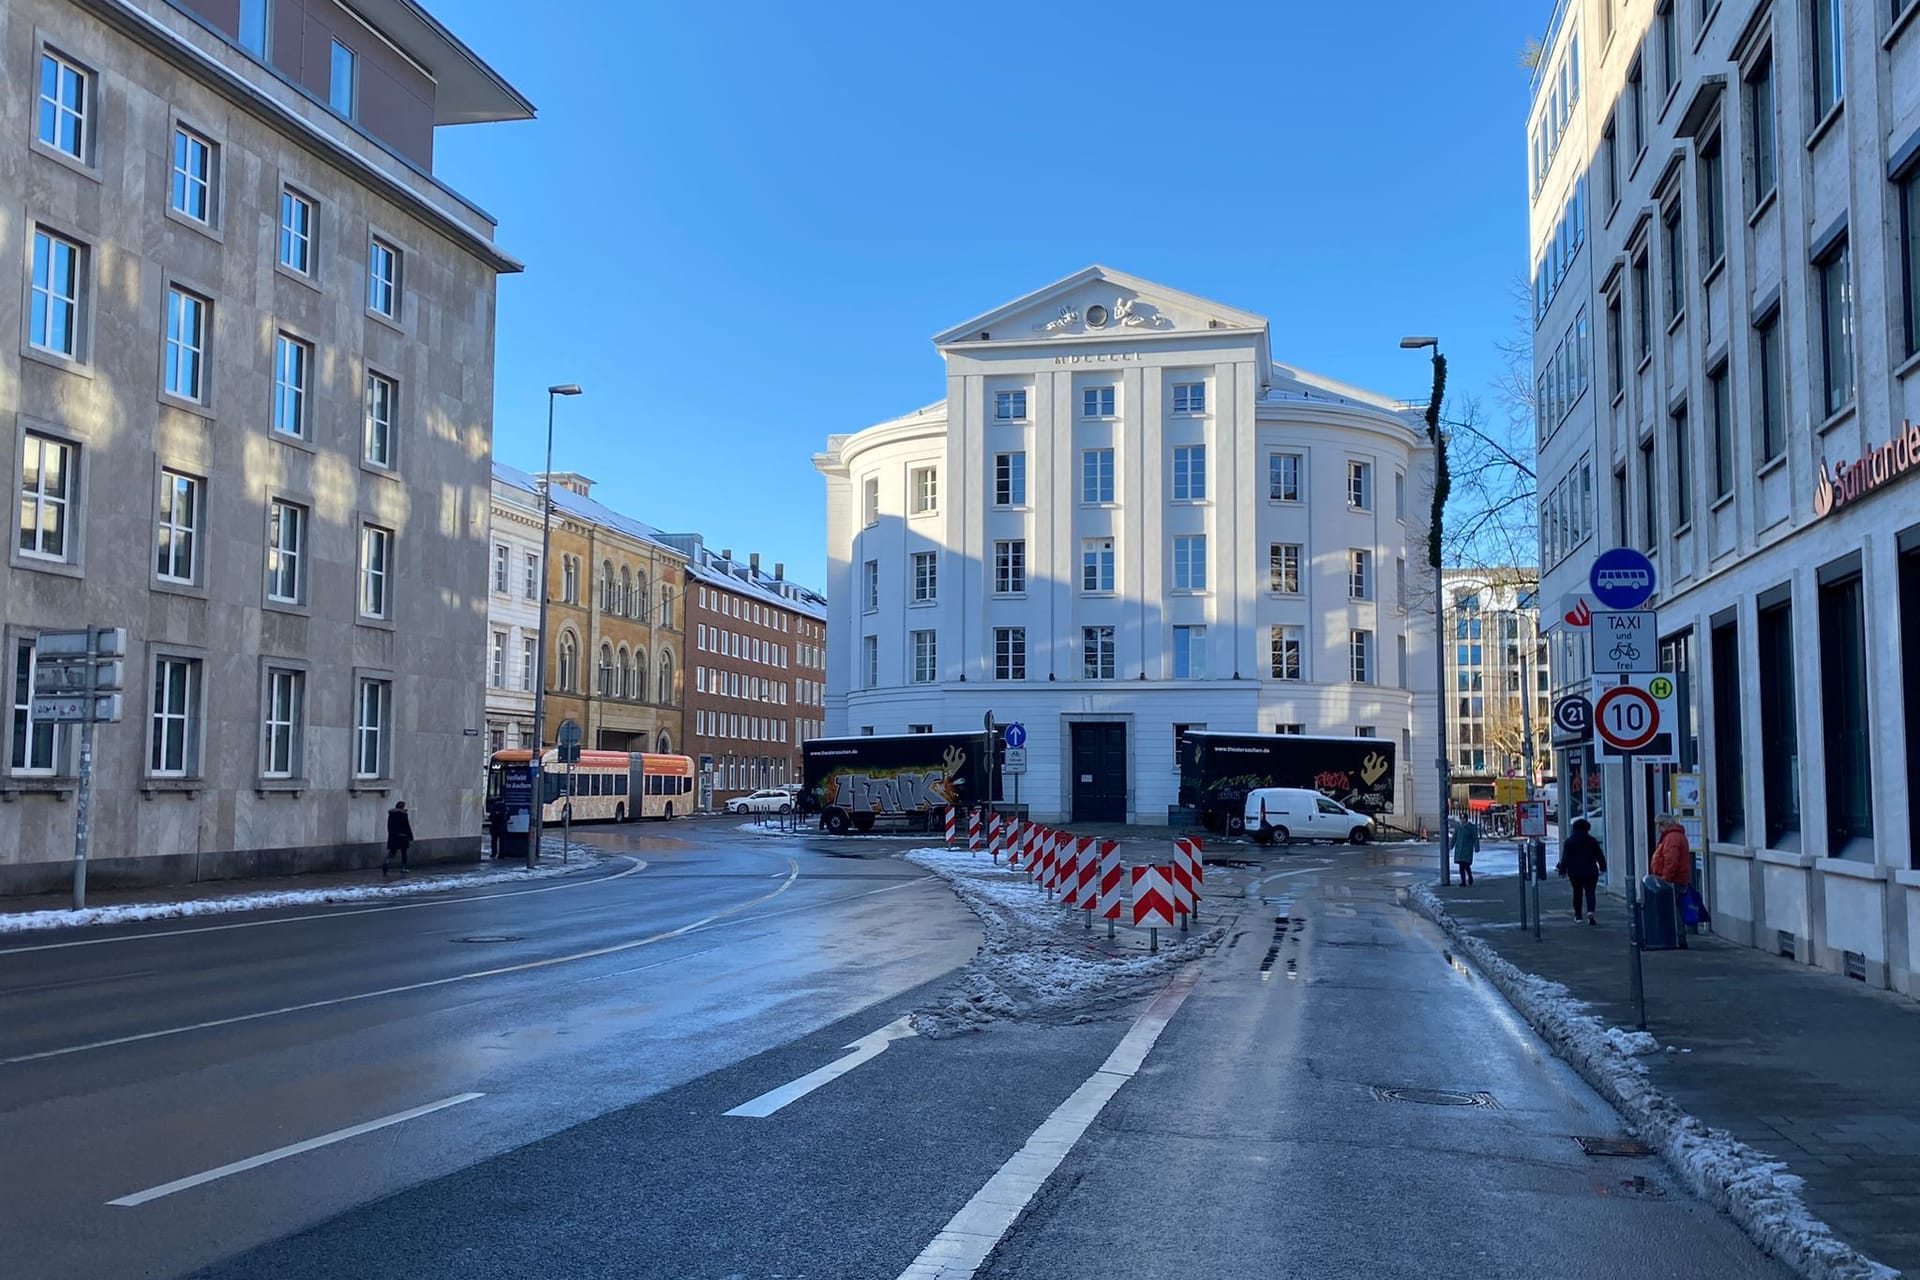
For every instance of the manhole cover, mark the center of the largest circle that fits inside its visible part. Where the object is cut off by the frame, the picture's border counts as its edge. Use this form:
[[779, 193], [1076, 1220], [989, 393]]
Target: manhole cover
[[1614, 1146], [1435, 1097], [489, 937]]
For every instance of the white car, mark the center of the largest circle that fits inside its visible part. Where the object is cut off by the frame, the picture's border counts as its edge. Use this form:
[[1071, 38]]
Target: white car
[[770, 800], [1277, 815]]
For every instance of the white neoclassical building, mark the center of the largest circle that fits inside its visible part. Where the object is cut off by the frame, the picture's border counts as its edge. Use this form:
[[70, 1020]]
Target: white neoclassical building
[[1126, 520]]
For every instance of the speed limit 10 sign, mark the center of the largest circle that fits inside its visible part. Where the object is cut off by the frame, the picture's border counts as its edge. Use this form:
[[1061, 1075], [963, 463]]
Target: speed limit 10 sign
[[1636, 719]]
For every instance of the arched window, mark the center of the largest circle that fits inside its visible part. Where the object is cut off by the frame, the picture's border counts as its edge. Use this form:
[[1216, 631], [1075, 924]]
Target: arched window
[[569, 580], [569, 663], [621, 684], [640, 674], [609, 602], [641, 601], [626, 591], [666, 676], [666, 606], [606, 670], [665, 745]]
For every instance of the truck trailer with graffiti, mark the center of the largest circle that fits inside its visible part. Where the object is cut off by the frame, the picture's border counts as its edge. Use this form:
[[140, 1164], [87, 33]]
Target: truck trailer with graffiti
[[1217, 770], [904, 779]]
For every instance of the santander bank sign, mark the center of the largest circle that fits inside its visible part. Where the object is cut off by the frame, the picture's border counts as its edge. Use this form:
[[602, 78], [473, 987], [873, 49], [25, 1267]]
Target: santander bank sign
[[1851, 481]]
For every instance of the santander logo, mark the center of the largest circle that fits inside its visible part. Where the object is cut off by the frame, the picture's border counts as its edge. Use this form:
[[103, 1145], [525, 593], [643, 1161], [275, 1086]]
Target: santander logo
[[1847, 482], [1580, 615]]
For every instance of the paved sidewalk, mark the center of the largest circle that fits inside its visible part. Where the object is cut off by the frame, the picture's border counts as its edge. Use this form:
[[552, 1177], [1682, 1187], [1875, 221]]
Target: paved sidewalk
[[1808, 1067]]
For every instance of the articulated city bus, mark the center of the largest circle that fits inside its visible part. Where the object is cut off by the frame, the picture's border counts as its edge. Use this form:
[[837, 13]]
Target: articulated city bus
[[605, 786]]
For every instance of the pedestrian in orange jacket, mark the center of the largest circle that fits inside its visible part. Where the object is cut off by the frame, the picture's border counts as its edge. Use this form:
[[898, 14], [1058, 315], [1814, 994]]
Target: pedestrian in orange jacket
[[1672, 856]]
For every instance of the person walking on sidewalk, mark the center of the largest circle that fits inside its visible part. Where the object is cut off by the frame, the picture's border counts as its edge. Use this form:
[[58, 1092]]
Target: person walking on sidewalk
[[1466, 843], [1581, 862], [399, 838]]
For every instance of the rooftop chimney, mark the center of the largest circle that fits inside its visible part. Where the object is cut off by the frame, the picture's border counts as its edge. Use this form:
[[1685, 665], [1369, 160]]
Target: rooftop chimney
[[569, 480], [755, 560], [727, 555], [779, 572]]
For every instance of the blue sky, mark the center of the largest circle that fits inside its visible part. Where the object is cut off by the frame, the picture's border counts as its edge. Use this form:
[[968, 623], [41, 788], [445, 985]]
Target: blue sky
[[742, 222]]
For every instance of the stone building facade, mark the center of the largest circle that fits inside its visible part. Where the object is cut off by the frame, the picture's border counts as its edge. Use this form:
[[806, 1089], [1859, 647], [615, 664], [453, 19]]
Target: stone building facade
[[246, 413]]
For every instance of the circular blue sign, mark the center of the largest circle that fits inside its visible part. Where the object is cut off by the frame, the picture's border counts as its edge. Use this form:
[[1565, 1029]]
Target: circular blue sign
[[1016, 735], [1622, 578]]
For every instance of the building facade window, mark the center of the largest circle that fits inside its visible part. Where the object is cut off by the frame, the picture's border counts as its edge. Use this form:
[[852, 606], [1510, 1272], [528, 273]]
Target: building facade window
[[1283, 568], [1190, 473], [926, 580], [1844, 724], [1907, 191], [1642, 309], [286, 553], [174, 726], [1189, 653], [177, 531], [1720, 402], [1010, 566], [35, 746], [1287, 643], [1096, 564], [497, 667], [383, 278], [280, 726], [1673, 228], [376, 557], [58, 293], [1667, 22], [926, 667], [1360, 486], [1713, 222], [46, 497], [1096, 476], [1836, 328], [529, 661], [296, 232], [1283, 477], [1682, 460], [1009, 653], [1616, 348], [873, 587], [1637, 100], [191, 191], [1359, 574], [1360, 656], [1729, 783], [373, 729], [1189, 563], [870, 501], [870, 668], [292, 377], [1010, 479], [256, 26], [66, 106], [1779, 725], [923, 489], [1828, 56], [1010, 406], [501, 553], [1769, 393], [1096, 402], [567, 664], [1189, 397], [1096, 653], [187, 316], [343, 80], [1763, 131], [1650, 489], [383, 398]]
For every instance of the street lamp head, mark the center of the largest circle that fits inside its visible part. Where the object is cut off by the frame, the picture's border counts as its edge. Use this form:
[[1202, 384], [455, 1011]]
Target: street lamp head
[[1414, 344], [564, 389]]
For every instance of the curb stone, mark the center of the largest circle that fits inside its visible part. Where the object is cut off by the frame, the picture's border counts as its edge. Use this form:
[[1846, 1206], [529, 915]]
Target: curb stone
[[1755, 1190]]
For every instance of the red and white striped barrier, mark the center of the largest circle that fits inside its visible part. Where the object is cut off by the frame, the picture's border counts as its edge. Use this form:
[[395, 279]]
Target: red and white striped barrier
[[1113, 884], [952, 813], [1086, 886], [1043, 858], [1068, 874], [1153, 901], [993, 836], [1186, 887], [973, 831]]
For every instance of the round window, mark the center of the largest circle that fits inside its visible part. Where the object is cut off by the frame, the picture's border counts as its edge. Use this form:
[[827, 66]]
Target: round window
[[1096, 316]]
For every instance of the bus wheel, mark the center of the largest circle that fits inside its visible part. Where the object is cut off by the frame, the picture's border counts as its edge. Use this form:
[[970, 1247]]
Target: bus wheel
[[835, 821], [1236, 824], [619, 813], [668, 815]]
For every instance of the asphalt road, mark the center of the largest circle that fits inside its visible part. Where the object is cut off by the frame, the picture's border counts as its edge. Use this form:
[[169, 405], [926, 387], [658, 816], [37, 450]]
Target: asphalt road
[[688, 1106]]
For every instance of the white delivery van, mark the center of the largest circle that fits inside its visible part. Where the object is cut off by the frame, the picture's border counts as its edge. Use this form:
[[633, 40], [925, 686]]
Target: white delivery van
[[1280, 814]]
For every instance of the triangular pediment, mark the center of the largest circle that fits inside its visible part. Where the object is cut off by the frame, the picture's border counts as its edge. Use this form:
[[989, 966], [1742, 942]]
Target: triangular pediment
[[1094, 303]]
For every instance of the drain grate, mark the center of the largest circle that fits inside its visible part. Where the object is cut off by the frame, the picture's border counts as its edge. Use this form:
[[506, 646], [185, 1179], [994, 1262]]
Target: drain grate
[[1613, 1146], [489, 937], [1436, 1097]]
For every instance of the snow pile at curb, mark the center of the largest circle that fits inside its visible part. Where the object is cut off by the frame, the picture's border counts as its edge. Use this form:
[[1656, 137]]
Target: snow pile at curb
[[1038, 960], [768, 829], [1754, 1189], [132, 912]]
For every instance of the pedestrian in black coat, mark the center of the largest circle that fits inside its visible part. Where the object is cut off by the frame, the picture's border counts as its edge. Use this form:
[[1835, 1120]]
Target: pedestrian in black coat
[[399, 838], [1581, 862]]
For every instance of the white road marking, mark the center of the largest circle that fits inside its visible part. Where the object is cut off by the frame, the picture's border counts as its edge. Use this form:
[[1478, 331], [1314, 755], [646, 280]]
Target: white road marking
[[865, 1049], [971, 1234], [638, 865], [792, 875], [281, 1153]]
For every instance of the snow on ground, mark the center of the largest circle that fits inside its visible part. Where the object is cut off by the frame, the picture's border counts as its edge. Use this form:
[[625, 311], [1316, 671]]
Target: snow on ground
[[757, 828], [1756, 1190], [1039, 960], [581, 857]]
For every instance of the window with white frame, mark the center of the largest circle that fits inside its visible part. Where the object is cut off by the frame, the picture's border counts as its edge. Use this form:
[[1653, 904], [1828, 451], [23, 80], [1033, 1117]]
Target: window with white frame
[[286, 552], [376, 569], [191, 192], [173, 737], [35, 746], [58, 293], [383, 398], [870, 668], [280, 723], [1400, 495], [66, 106], [529, 660], [187, 324], [1360, 656], [1010, 479], [926, 668], [926, 580], [1360, 485], [373, 728], [870, 501], [1010, 406], [1283, 477], [1283, 568], [1835, 337], [1096, 475], [1096, 402], [1096, 564], [343, 80], [497, 667], [1287, 642], [296, 232], [501, 552], [1096, 653], [46, 497], [1010, 566], [1009, 653], [383, 278], [1190, 473], [177, 528], [1359, 574], [873, 588], [923, 490], [1190, 562], [1189, 397], [1189, 653], [292, 378]]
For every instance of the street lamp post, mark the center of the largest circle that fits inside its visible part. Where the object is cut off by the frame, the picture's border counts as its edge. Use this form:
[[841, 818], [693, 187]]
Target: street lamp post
[[1439, 584], [540, 658]]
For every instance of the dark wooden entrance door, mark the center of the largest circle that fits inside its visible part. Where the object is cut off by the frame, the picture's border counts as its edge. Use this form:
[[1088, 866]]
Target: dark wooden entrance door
[[1099, 772]]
